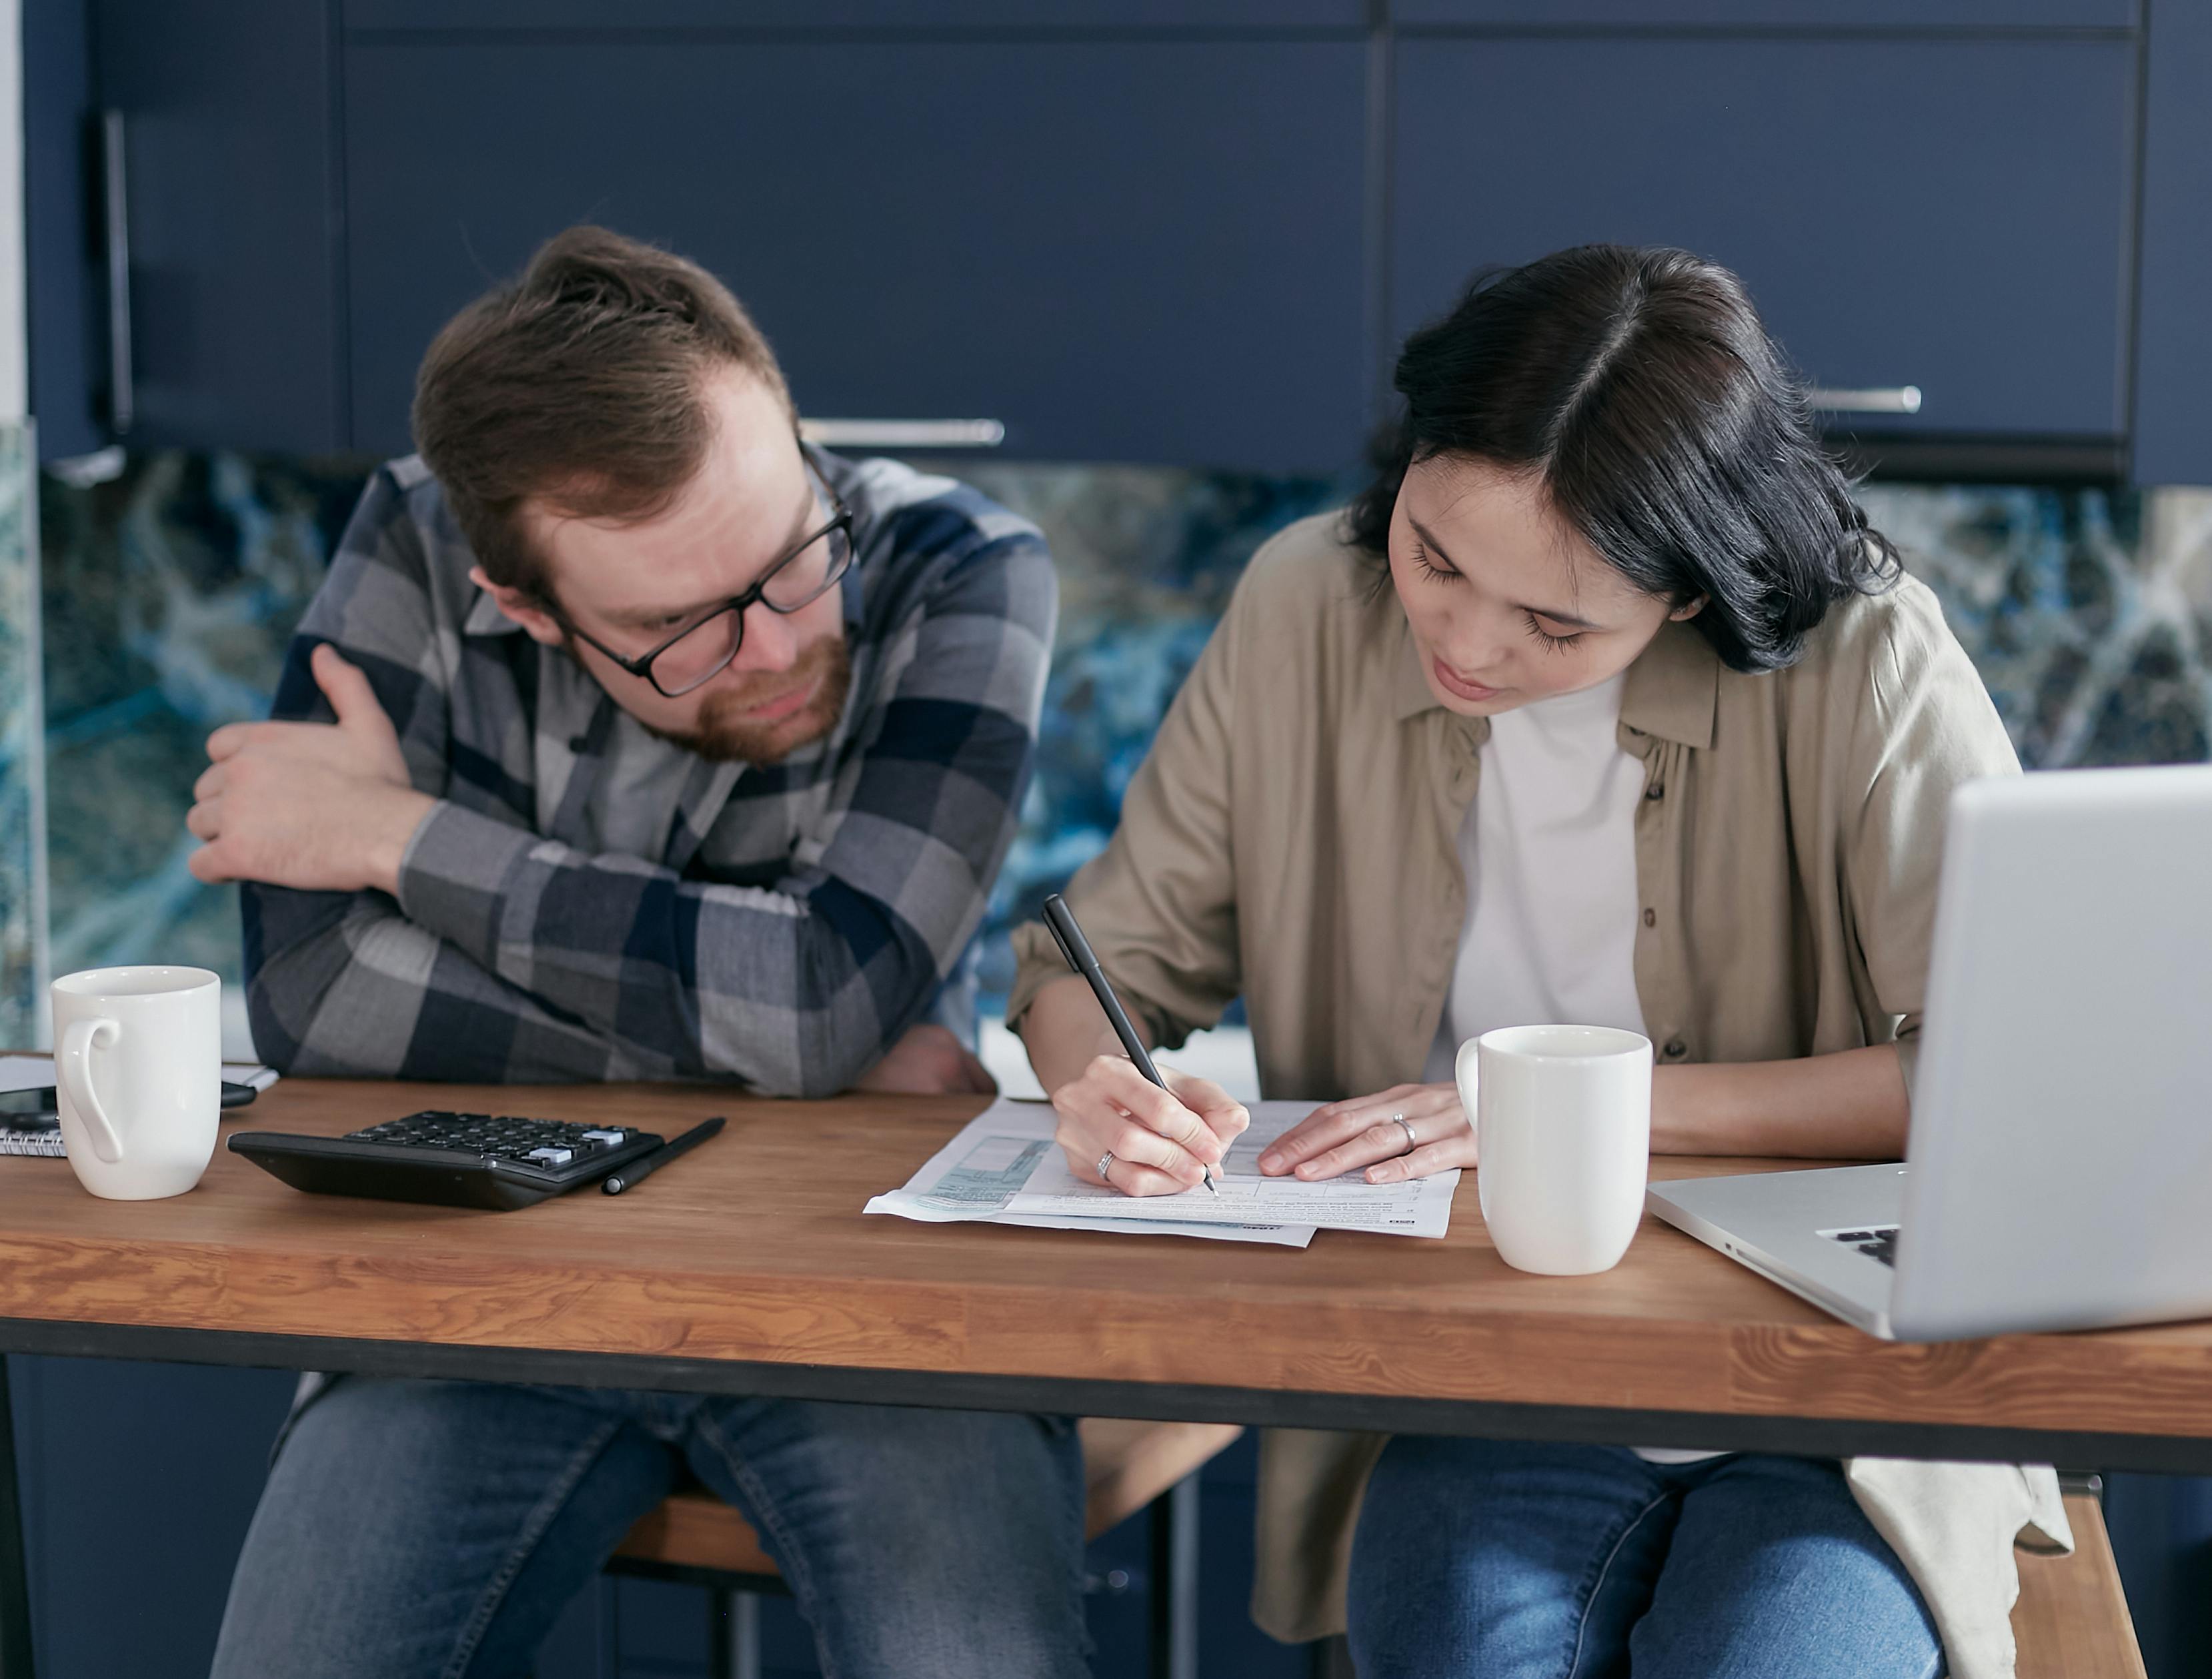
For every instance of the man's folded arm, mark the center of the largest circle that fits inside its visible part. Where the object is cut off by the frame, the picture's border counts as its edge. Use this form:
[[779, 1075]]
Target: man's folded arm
[[342, 985]]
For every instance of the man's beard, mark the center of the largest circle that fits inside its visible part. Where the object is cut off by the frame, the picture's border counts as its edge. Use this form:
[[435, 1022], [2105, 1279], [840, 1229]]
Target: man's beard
[[724, 733]]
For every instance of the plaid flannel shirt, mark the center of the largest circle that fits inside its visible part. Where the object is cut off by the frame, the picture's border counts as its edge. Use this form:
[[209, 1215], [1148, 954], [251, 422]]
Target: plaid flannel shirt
[[794, 919]]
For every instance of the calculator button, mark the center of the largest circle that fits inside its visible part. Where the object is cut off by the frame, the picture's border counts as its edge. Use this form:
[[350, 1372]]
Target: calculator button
[[605, 1136], [551, 1157]]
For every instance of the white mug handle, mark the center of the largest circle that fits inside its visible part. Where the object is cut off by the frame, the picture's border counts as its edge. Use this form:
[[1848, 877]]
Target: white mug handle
[[1467, 1066], [74, 1064]]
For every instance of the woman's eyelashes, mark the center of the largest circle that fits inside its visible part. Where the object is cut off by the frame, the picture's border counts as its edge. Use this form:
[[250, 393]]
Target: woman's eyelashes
[[1438, 574], [1433, 572], [1549, 642]]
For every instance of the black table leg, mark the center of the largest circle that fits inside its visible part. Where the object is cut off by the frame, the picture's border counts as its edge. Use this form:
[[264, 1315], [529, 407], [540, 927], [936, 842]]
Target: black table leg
[[1174, 1582], [15, 1583]]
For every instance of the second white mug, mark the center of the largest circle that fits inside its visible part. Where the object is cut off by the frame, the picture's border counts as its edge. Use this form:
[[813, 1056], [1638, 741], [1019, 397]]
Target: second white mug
[[1562, 1120], [138, 1071]]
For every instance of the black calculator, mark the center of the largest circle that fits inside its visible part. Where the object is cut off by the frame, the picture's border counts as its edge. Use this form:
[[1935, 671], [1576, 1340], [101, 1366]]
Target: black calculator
[[493, 1160]]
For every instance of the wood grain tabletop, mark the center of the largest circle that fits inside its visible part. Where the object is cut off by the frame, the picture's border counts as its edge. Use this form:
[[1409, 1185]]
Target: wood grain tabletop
[[754, 1248]]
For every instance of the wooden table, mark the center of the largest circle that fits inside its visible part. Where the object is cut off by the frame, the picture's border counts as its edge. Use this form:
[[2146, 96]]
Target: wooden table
[[749, 1267]]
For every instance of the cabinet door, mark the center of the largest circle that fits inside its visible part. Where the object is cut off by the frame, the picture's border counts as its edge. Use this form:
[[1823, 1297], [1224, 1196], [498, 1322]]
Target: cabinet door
[[1952, 214], [63, 299], [2174, 342], [1141, 251], [906, 17], [1810, 14], [233, 275], [139, 1482]]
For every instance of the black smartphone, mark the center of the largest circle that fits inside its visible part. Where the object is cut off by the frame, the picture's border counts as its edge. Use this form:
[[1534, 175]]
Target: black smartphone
[[36, 1109], [28, 1110]]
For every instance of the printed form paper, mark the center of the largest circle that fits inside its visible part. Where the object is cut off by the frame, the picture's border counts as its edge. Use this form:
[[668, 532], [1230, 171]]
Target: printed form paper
[[1421, 1207], [1005, 1166], [973, 1178]]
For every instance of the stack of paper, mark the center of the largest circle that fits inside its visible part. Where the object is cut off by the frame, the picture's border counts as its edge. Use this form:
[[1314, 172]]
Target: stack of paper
[[1005, 1168]]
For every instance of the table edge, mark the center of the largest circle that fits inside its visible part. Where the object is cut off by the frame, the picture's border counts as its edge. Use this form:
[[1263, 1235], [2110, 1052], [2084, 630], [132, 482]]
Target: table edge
[[1808, 1436]]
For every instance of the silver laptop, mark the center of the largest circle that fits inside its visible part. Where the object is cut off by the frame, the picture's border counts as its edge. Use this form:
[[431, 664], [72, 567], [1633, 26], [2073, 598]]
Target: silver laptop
[[2060, 1169]]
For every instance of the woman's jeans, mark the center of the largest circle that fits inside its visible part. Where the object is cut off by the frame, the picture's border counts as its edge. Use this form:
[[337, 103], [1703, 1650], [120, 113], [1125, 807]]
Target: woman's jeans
[[415, 1530], [1512, 1560]]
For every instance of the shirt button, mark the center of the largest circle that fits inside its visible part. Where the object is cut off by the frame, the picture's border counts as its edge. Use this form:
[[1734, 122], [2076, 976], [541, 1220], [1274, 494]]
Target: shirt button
[[1676, 1049], [1651, 918], [1657, 790]]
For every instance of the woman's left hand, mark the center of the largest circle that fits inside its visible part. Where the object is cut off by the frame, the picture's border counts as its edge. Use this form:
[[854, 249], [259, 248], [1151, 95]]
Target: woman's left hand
[[1363, 1131]]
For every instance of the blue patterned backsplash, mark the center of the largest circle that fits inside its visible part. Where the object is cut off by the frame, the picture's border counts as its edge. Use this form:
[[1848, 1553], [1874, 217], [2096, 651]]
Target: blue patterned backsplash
[[22, 758], [170, 591]]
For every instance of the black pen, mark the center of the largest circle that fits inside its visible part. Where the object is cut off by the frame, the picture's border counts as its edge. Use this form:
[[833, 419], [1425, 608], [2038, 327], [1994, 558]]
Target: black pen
[[630, 1177], [1077, 949]]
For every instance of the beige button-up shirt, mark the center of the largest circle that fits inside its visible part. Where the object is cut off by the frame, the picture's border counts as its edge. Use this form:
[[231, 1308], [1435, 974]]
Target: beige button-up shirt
[[1292, 838]]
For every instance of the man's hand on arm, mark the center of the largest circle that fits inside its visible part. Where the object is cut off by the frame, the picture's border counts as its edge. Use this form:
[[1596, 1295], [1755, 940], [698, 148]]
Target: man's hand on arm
[[928, 1061], [316, 806]]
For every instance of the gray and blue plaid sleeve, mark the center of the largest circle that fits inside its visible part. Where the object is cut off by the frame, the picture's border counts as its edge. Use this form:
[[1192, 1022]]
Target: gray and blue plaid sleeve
[[510, 956]]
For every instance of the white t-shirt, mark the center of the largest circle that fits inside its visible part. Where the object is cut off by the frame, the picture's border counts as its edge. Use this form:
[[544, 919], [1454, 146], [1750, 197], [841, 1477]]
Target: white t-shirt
[[1548, 849]]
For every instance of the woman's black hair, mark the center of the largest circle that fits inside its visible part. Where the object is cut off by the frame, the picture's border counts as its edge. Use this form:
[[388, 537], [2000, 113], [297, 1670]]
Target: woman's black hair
[[1665, 426]]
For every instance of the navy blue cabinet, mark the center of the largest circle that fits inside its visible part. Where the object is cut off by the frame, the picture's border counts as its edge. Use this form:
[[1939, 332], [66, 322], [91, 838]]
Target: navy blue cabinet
[[1123, 249], [1164, 230], [1950, 214]]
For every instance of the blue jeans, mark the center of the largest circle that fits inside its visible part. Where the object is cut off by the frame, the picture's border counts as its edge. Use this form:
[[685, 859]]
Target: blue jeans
[[1514, 1560], [432, 1530]]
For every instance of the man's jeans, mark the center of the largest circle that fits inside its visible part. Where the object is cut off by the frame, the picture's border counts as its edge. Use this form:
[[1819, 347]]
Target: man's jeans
[[1513, 1560], [432, 1529]]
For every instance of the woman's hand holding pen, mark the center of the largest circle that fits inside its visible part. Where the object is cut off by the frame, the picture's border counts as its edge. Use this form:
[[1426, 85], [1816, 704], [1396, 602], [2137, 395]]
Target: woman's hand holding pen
[[1162, 1141], [1406, 1131]]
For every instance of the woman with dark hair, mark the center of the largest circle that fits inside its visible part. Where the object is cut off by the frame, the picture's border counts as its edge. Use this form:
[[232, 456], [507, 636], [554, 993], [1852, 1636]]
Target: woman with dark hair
[[1602, 705]]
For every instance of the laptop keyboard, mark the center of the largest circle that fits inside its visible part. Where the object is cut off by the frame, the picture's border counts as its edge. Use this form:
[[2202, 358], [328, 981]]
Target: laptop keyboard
[[1874, 1241]]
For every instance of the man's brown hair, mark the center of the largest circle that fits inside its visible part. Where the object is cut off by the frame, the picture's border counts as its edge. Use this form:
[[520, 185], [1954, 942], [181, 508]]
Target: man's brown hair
[[582, 383]]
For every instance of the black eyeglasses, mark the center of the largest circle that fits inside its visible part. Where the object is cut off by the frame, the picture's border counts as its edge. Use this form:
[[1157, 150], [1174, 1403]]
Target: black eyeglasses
[[702, 651]]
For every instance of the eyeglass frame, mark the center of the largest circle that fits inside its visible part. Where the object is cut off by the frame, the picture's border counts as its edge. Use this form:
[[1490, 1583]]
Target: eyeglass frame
[[641, 666]]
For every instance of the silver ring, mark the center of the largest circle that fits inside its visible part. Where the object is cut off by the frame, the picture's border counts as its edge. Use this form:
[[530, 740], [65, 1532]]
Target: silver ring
[[1406, 1125], [1105, 1166]]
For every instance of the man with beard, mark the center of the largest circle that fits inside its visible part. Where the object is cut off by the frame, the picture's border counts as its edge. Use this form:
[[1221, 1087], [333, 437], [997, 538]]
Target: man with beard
[[632, 738]]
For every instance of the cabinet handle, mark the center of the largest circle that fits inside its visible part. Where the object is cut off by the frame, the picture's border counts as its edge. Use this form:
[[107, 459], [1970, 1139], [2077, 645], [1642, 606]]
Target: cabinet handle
[[115, 206], [1880, 399], [903, 434]]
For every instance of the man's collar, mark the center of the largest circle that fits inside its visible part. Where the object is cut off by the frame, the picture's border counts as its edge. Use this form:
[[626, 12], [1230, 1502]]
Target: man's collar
[[852, 594], [485, 619], [1671, 692]]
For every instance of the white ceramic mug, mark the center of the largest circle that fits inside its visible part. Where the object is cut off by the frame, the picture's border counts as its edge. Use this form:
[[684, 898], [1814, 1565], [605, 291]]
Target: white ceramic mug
[[138, 1071], [1562, 1141]]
